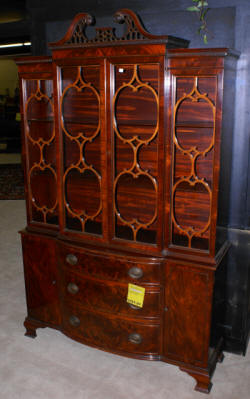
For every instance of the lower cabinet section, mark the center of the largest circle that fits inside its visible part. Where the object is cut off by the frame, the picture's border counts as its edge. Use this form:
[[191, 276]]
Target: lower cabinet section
[[84, 295], [112, 333]]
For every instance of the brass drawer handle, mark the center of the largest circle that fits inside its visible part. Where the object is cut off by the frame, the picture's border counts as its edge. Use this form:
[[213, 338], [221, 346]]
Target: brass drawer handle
[[71, 259], [135, 272], [135, 338], [134, 307], [74, 321], [72, 288]]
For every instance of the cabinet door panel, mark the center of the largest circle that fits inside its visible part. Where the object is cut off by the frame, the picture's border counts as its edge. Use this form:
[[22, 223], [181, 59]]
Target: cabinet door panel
[[41, 280], [187, 322]]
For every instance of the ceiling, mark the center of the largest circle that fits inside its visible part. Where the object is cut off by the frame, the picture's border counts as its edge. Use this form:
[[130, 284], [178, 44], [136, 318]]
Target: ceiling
[[12, 11], [14, 28]]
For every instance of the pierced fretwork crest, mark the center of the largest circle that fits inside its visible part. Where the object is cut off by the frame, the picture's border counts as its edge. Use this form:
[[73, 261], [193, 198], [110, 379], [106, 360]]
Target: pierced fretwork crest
[[78, 35], [134, 31]]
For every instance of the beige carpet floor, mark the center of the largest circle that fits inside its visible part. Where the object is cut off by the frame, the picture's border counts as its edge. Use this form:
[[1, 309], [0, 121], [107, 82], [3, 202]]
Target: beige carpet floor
[[10, 158], [54, 367]]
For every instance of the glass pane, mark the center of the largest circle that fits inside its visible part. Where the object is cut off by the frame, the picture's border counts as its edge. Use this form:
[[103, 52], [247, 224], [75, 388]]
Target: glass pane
[[82, 193], [135, 122], [194, 119], [40, 136], [80, 110]]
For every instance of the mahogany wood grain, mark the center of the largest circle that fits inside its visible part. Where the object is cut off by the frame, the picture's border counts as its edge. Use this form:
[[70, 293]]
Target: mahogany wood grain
[[112, 333], [110, 266], [110, 297], [188, 301]]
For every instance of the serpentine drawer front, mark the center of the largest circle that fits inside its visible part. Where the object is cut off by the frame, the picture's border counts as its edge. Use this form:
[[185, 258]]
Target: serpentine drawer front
[[123, 269], [121, 150], [112, 333], [110, 297]]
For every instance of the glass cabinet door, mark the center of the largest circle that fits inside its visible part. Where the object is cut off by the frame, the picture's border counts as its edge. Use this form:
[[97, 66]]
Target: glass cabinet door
[[81, 132], [40, 150], [193, 141], [135, 132]]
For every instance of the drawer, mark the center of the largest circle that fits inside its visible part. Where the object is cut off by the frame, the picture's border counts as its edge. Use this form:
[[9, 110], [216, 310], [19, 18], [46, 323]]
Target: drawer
[[109, 296], [111, 267], [111, 333]]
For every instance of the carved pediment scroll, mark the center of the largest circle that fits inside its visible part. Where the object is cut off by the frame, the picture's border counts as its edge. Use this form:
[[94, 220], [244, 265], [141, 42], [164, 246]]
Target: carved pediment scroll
[[134, 32]]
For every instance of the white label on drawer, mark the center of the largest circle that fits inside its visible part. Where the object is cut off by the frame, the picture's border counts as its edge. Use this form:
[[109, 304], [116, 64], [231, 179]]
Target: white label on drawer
[[136, 295]]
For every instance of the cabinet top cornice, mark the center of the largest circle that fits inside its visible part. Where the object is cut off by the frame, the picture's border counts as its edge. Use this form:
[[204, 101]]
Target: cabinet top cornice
[[134, 33]]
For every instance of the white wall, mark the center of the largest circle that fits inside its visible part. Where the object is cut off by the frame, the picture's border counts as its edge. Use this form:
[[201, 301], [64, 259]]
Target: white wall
[[8, 76]]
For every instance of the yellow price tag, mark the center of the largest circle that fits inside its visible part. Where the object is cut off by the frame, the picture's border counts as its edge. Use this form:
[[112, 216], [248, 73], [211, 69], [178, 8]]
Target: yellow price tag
[[136, 295]]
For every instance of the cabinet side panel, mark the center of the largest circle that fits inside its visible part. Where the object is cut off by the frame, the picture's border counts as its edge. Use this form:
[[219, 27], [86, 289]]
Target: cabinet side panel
[[187, 324], [40, 272]]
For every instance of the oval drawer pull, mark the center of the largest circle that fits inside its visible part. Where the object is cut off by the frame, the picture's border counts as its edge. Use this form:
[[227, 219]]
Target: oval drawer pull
[[134, 307], [72, 288], [71, 259], [135, 272], [135, 338], [74, 321]]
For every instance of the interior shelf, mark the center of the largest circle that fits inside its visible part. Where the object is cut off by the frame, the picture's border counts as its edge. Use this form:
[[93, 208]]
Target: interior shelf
[[40, 120], [195, 124]]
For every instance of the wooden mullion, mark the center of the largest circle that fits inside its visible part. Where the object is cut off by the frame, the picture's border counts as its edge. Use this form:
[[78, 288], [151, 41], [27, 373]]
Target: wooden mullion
[[104, 150], [59, 144]]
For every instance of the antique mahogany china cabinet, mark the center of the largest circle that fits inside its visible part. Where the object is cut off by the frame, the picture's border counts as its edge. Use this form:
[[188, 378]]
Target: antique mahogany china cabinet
[[121, 151]]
